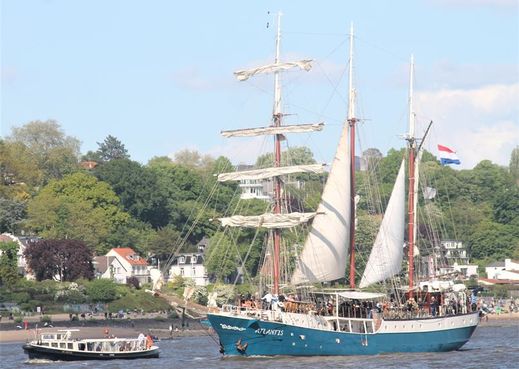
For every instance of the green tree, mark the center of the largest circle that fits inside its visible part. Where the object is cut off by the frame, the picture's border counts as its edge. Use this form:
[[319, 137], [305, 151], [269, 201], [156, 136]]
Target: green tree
[[514, 164], [506, 206], [112, 149], [12, 213], [19, 171], [297, 155], [137, 188], [77, 207], [164, 241], [55, 153], [8, 263], [101, 290], [492, 240]]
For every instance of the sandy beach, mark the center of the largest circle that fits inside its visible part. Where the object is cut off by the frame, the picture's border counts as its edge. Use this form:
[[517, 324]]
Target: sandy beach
[[95, 328]]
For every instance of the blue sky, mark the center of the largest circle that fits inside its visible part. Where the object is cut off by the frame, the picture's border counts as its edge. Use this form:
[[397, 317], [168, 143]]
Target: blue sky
[[158, 74]]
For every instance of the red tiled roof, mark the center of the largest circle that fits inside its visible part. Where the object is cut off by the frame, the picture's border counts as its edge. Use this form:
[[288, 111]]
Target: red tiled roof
[[131, 256], [5, 238], [88, 164]]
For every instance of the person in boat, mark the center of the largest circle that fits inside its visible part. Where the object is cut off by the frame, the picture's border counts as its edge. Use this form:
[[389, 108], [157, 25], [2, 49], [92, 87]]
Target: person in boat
[[141, 340], [267, 301], [149, 341], [434, 306]]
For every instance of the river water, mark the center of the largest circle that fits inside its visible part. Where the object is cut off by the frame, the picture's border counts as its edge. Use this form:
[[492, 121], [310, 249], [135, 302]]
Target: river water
[[490, 347]]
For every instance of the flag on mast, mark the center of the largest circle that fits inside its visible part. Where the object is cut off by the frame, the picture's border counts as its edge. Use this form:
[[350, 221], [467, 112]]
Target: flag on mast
[[447, 155]]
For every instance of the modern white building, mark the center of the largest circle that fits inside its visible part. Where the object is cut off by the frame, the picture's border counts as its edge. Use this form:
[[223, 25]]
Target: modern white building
[[120, 264], [507, 270]]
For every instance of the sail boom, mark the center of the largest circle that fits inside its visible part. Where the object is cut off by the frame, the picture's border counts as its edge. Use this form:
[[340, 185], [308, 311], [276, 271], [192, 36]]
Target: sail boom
[[243, 75], [264, 173], [296, 128], [267, 220]]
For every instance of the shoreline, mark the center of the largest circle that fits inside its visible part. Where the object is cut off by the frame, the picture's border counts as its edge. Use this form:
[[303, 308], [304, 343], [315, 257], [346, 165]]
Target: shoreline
[[10, 333], [13, 332]]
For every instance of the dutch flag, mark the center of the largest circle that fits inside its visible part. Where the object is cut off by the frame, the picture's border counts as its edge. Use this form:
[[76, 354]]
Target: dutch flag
[[447, 156]]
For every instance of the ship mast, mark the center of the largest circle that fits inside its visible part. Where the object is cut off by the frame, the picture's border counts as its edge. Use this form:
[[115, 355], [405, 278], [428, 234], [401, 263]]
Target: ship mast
[[352, 121], [276, 116], [411, 141]]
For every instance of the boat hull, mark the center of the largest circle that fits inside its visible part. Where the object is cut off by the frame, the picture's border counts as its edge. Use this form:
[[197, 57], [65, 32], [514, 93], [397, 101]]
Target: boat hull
[[47, 353], [249, 337]]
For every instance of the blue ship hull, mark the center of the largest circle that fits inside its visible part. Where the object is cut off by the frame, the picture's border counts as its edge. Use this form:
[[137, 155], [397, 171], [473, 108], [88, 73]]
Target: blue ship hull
[[251, 337]]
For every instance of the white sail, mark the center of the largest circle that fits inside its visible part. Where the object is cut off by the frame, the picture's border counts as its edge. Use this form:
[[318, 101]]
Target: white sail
[[386, 256], [326, 248], [296, 128], [243, 75], [270, 172], [267, 220]]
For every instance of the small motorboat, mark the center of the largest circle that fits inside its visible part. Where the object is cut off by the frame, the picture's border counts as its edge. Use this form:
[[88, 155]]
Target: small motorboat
[[61, 345]]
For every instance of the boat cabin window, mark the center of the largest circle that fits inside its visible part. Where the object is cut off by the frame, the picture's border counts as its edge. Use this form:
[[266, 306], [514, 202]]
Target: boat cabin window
[[58, 336], [54, 344], [62, 345], [70, 345], [81, 347]]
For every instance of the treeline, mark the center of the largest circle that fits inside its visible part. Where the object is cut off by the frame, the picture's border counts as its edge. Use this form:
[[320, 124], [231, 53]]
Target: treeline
[[105, 199]]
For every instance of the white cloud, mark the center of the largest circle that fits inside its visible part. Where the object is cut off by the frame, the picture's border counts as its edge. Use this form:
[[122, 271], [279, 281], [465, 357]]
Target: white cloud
[[480, 123]]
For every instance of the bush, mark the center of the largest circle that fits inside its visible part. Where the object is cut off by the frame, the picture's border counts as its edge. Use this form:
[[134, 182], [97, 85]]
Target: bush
[[200, 296], [133, 282], [101, 290], [21, 297], [46, 319]]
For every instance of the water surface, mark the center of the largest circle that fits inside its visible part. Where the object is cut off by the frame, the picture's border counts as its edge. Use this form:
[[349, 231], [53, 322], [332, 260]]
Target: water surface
[[490, 347]]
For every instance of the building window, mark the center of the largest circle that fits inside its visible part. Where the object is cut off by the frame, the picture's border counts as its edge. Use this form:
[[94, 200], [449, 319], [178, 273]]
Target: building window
[[182, 271], [194, 272], [182, 260]]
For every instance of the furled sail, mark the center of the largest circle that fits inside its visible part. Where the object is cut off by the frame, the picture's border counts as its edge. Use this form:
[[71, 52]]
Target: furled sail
[[386, 256], [270, 172], [243, 75], [296, 128], [325, 252], [416, 250], [267, 220]]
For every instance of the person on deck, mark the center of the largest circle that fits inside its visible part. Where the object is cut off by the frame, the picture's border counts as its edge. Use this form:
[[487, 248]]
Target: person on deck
[[434, 306]]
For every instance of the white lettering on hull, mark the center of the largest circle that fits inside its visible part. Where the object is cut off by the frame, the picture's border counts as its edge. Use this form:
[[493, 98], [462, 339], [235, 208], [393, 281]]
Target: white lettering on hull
[[269, 332]]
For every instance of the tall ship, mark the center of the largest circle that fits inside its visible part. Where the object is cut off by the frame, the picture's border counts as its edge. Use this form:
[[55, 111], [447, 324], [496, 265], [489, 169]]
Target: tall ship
[[358, 320]]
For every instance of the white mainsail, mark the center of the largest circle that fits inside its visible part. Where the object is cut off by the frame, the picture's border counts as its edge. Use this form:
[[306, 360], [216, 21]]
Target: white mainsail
[[267, 220], [270, 172], [386, 256], [326, 248], [295, 128]]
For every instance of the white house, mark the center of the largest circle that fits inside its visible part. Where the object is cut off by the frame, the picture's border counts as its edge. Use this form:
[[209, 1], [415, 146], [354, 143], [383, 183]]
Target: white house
[[120, 264], [509, 270], [190, 266]]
